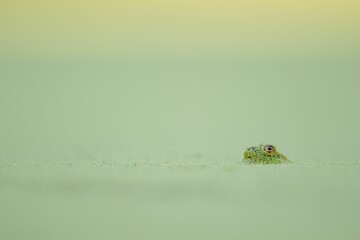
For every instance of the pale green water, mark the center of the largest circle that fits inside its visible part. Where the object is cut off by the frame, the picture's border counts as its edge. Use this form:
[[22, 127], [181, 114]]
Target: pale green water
[[307, 106], [196, 197], [150, 148], [127, 120]]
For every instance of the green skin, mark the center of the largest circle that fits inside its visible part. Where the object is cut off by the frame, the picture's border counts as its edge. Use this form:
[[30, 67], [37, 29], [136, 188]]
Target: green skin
[[264, 154]]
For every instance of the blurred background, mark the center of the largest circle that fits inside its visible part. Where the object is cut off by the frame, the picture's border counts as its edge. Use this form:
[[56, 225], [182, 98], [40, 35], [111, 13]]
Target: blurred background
[[159, 77], [127, 119]]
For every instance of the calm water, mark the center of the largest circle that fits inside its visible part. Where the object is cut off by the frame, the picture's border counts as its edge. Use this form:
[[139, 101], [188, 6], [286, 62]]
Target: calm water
[[128, 119], [196, 198]]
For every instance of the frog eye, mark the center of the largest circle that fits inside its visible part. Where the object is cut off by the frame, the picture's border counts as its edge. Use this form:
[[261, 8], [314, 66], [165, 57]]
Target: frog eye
[[253, 148], [269, 149]]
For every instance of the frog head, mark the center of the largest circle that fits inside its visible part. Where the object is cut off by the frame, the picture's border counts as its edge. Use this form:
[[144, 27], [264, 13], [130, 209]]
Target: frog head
[[264, 154]]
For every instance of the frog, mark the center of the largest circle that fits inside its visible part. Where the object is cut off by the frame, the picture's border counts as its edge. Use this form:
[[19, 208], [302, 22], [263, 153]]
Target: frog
[[264, 154]]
